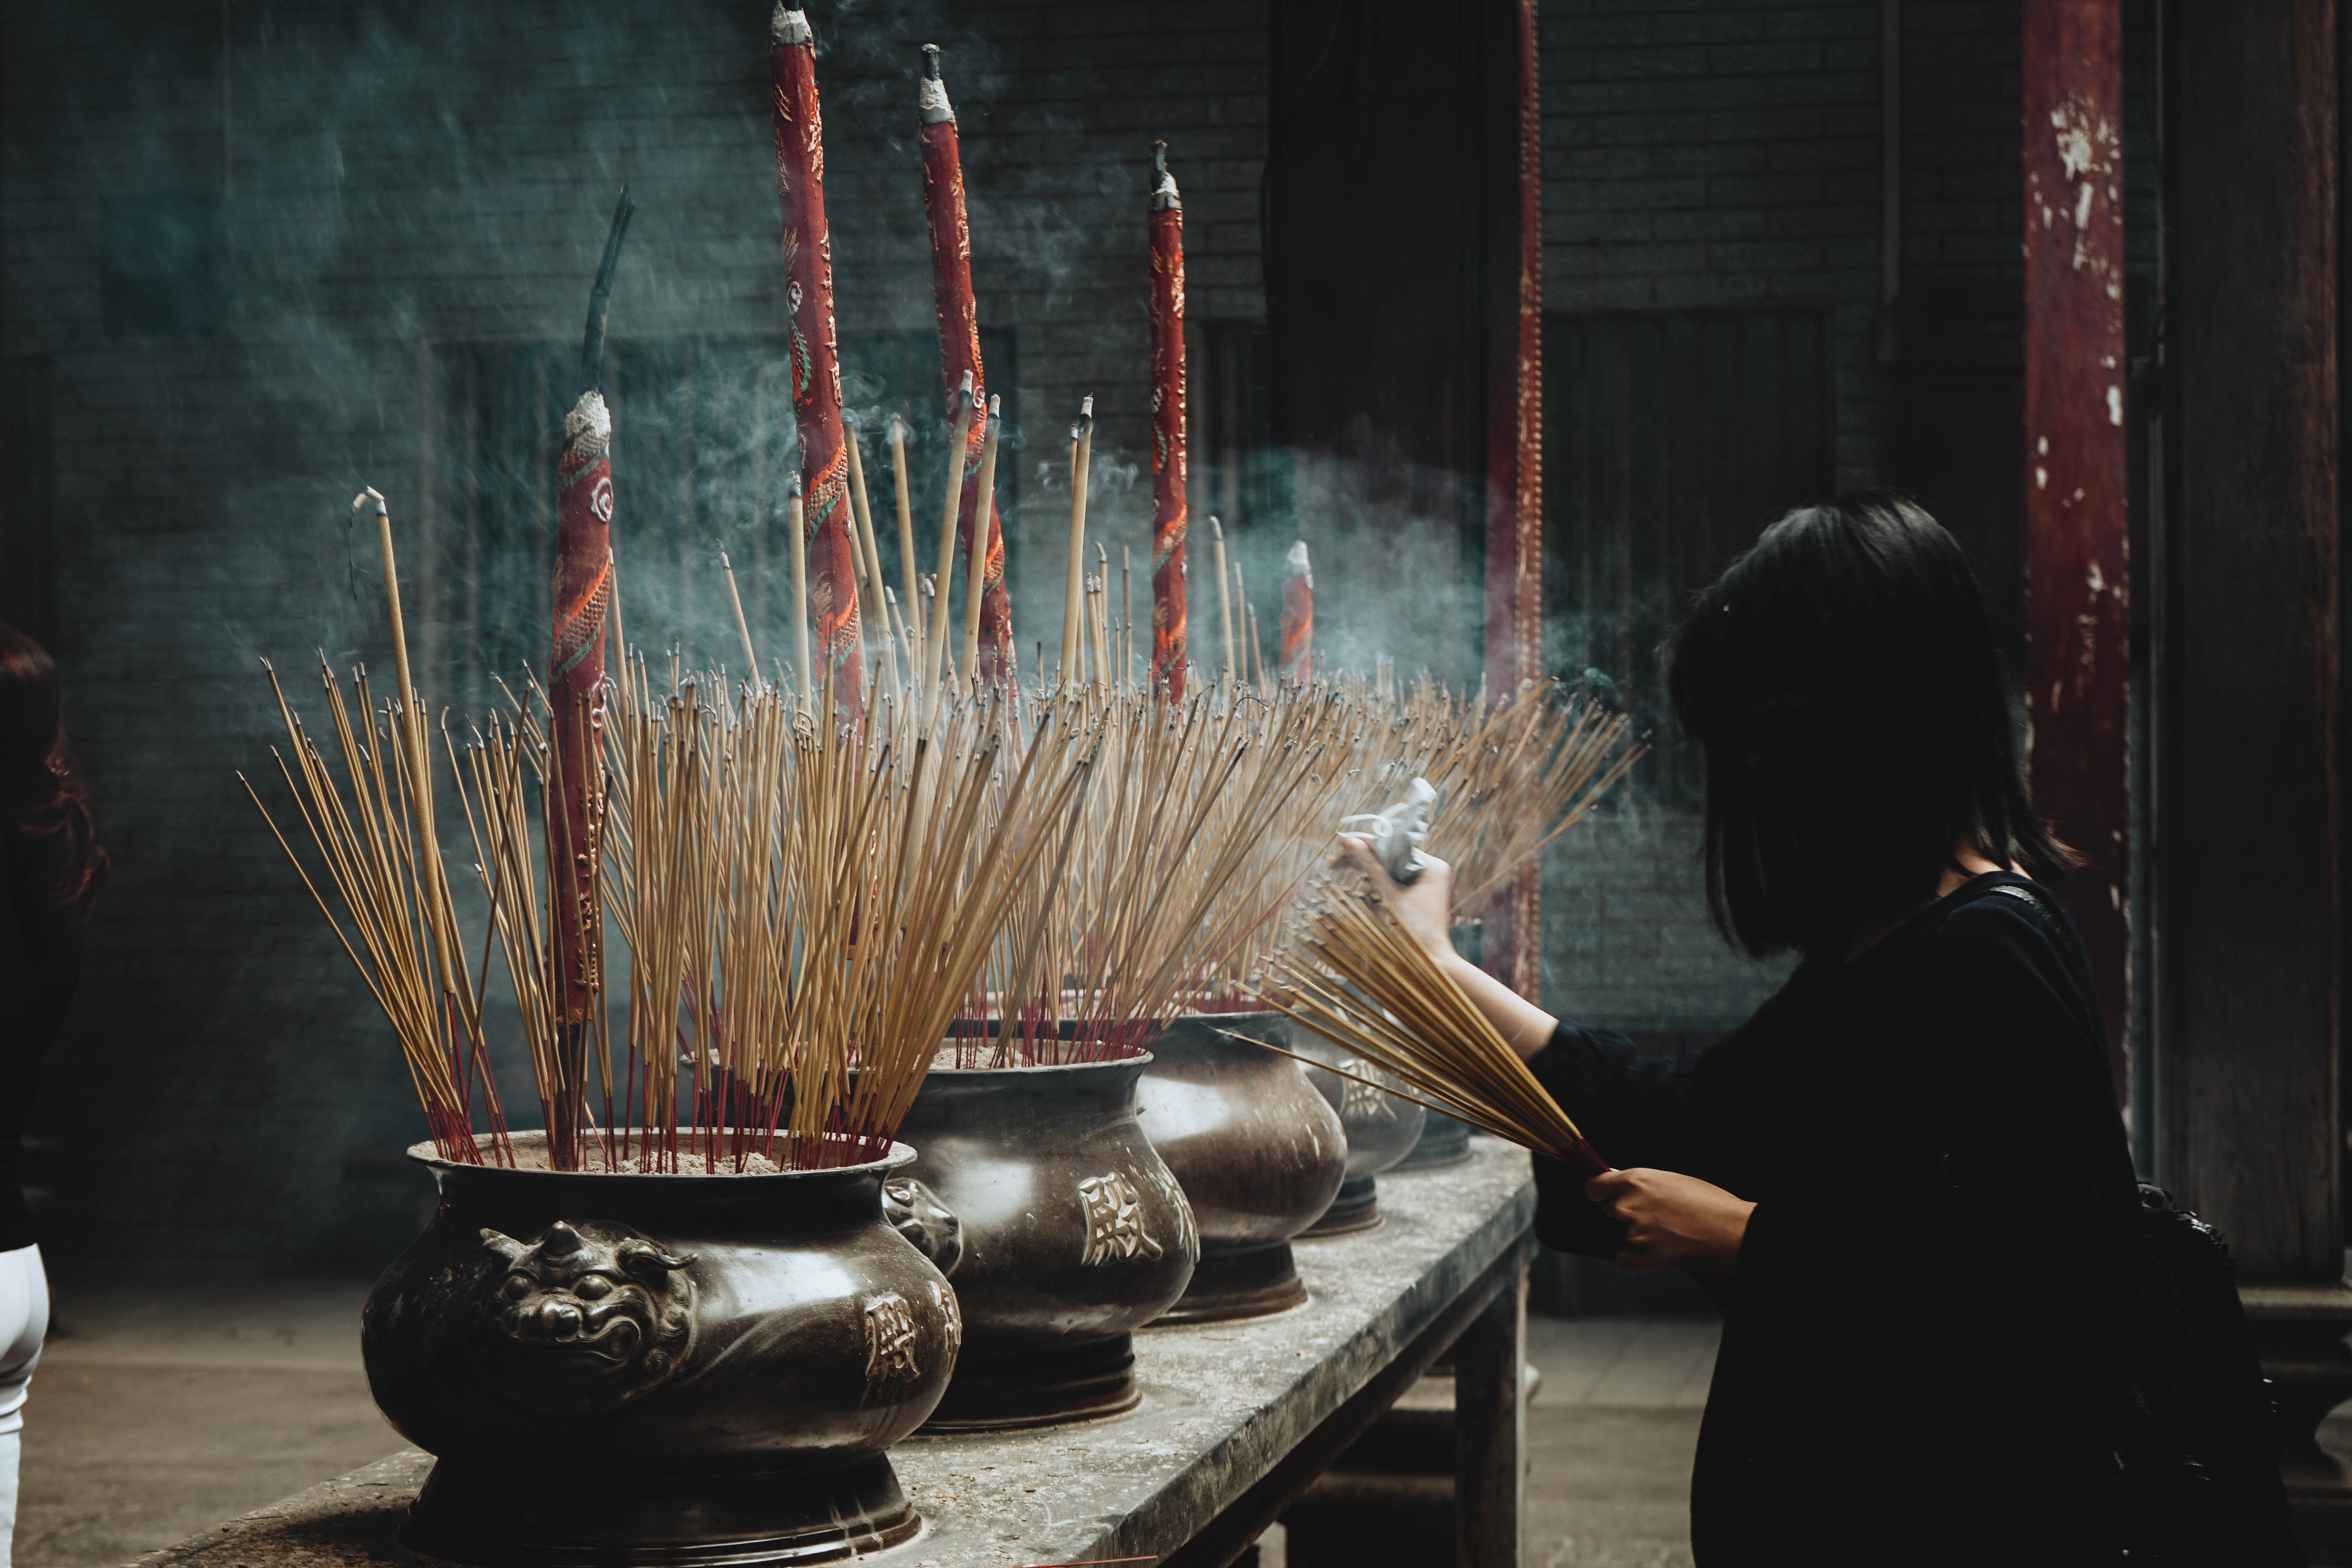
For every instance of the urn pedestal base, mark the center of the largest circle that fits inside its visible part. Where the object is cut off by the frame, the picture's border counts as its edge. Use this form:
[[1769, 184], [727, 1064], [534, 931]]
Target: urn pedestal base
[[532, 1519], [1245, 1282], [1039, 1388], [1356, 1208]]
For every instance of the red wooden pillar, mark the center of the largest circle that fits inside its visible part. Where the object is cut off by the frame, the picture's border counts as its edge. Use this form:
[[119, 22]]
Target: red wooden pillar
[[2077, 563], [1512, 944]]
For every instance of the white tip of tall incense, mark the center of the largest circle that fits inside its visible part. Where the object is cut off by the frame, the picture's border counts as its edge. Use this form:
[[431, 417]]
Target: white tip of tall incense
[[1163, 191], [1087, 406], [932, 93], [897, 428], [994, 402], [1215, 530], [964, 390], [588, 416], [788, 26], [1296, 560], [362, 499]]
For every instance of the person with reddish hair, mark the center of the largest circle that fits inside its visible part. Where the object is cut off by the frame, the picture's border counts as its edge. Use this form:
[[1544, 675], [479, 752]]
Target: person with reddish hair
[[51, 868]]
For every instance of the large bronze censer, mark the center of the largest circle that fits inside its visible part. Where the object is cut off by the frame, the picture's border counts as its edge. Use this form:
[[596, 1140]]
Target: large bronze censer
[[663, 1369], [1075, 1236], [1258, 1151]]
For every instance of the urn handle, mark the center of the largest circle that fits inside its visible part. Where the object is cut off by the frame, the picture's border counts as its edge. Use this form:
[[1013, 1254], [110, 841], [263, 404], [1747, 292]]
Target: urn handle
[[586, 1316], [916, 1212]]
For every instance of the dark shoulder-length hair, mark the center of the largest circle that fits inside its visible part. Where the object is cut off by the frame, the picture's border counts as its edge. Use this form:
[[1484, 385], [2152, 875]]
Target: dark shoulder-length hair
[[1841, 678], [50, 838]]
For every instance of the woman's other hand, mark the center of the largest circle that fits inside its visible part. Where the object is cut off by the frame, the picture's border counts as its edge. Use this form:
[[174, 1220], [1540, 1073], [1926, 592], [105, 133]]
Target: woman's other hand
[[1674, 1222], [1426, 908]]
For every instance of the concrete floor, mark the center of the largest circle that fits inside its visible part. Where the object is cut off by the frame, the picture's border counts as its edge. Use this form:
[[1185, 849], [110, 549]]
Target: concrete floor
[[166, 1404]]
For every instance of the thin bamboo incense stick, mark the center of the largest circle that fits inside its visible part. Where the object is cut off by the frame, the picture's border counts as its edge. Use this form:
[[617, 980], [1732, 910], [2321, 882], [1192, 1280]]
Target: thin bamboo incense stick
[[1225, 597], [1081, 444], [742, 627], [800, 592], [974, 561], [938, 634], [906, 535], [1125, 614]]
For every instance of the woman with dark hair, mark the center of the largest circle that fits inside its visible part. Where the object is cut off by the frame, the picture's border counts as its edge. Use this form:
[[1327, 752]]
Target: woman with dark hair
[[51, 868], [1910, 1162]]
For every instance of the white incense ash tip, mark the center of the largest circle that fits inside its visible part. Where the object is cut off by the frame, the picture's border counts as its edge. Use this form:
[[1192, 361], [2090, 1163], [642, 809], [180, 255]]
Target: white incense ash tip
[[1164, 198], [930, 93], [787, 28], [1087, 405], [995, 403], [1217, 529], [360, 500], [1296, 561], [589, 417]]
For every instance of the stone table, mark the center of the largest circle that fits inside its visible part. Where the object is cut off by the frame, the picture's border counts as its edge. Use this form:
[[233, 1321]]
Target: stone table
[[1237, 1417]]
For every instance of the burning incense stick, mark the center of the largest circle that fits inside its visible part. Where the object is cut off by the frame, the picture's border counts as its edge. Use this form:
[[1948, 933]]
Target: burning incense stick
[[1082, 436], [975, 570], [1297, 653], [1125, 614], [958, 319], [796, 513], [1168, 471], [742, 627], [906, 538], [961, 410], [870, 552], [1224, 600], [815, 363]]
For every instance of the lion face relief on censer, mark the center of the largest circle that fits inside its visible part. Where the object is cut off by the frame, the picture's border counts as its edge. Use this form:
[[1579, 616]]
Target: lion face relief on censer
[[586, 1316]]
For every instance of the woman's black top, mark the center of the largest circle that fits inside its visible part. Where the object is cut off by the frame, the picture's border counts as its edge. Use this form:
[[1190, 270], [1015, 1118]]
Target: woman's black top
[[1925, 1339]]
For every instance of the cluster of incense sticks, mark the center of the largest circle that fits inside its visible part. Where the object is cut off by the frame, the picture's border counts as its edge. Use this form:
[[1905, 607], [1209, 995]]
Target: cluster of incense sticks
[[1513, 779], [1205, 816], [802, 904], [377, 837], [1356, 976]]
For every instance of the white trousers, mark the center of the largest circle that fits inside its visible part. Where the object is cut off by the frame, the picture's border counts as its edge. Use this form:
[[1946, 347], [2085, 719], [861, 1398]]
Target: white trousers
[[23, 1323]]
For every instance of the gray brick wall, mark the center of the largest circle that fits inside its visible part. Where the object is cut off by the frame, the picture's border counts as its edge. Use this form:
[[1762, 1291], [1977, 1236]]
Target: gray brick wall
[[1719, 153]]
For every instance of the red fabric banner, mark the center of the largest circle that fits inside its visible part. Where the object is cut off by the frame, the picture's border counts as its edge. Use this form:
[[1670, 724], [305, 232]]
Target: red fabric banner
[[815, 360], [958, 352], [1167, 226]]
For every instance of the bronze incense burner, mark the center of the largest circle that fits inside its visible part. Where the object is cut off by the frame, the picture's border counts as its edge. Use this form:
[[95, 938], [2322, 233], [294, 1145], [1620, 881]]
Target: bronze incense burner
[[1075, 1236], [1258, 1151], [662, 1369], [1382, 1129]]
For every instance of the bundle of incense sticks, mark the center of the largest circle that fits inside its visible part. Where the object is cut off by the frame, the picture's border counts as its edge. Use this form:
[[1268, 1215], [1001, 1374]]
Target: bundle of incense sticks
[[1510, 780], [1354, 974], [804, 904], [1205, 816]]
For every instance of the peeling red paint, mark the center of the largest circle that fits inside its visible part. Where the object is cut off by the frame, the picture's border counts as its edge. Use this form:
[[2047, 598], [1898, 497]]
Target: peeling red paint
[[2078, 612]]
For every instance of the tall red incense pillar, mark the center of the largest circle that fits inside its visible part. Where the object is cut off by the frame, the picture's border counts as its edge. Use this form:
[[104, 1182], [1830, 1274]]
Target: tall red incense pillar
[[960, 351], [2078, 609], [815, 359], [1297, 616], [1511, 948], [1167, 226], [575, 692]]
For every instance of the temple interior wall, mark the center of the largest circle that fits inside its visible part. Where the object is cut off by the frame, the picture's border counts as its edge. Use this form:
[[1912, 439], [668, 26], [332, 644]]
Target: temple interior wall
[[248, 272]]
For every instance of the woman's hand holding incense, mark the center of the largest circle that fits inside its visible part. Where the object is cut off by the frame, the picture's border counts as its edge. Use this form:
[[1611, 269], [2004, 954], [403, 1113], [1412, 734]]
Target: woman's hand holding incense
[[1425, 911], [1674, 1222]]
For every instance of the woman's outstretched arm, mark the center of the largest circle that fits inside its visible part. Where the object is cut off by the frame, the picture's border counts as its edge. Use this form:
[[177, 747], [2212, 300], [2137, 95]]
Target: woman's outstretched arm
[[1425, 909]]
